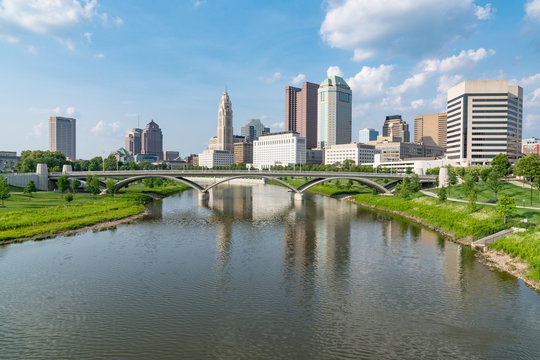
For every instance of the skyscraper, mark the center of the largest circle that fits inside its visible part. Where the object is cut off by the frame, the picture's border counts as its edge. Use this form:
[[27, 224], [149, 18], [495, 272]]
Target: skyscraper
[[430, 129], [134, 141], [291, 94], [62, 136], [253, 129], [306, 113], [334, 112], [367, 134], [485, 118], [399, 128], [152, 140], [225, 125]]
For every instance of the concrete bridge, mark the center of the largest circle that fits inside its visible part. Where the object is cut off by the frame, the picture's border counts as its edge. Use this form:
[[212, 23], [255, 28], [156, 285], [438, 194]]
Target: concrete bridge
[[124, 178]]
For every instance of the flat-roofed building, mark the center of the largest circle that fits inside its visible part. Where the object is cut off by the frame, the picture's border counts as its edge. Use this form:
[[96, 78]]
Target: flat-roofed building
[[134, 141], [214, 158], [391, 149], [8, 159], [367, 134], [485, 118], [243, 153], [430, 129], [63, 136], [360, 153], [395, 126], [531, 146], [283, 148], [170, 155]]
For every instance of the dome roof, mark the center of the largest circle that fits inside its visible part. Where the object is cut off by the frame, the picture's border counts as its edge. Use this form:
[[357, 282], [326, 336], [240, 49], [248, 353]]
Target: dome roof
[[335, 80]]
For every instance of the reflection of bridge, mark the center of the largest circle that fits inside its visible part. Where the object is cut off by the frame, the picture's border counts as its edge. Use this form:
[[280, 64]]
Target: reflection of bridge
[[186, 177]]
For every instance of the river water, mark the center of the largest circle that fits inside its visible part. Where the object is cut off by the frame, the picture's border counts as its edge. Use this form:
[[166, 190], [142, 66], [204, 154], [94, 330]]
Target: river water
[[254, 275]]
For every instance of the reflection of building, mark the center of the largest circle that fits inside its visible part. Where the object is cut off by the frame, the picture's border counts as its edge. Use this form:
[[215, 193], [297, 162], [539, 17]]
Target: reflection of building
[[531, 146], [367, 134], [485, 119], [63, 136], [395, 126], [357, 152], [8, 160], [152, 140], [283, 148], [334, 113], [134, 141], [253, 129], [213, 158], [430, 129]]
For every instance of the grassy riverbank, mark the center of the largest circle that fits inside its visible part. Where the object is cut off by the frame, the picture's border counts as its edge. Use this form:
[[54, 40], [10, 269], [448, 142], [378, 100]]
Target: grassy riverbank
[[526, 246], [521, 194], [47, 213]]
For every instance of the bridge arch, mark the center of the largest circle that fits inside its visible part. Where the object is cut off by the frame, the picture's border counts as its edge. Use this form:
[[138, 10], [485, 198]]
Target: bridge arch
[[367, 182], [292, 188], [122, 183]]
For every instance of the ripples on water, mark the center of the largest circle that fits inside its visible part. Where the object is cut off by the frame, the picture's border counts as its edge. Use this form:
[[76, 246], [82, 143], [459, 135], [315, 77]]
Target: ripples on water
[[253, 275]]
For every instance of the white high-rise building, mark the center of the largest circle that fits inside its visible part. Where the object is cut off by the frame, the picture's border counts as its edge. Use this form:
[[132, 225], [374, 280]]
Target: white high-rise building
[[358, 152], [63, 136], [283, 148], [334, 123], [225, 125], [485, 118], [213, 158]]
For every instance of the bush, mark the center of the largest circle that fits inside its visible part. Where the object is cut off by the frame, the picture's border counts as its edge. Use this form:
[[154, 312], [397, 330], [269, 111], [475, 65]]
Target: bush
[[68, 197]]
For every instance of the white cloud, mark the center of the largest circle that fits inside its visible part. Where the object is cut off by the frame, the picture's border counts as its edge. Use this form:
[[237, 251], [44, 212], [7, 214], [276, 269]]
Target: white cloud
[[275, 77], [298, 79], [369, 27], [415, 104], [360, 55], [57, 111], [99, 56], [31, 49], [105, 128], [528, 82], [46, 16], [88, 37], [370, 81], [334, 70], [10, 39], [198, 3], [530, 120], [278, 125], [532, 9], [38, 130], [485, 12], [118, 21]]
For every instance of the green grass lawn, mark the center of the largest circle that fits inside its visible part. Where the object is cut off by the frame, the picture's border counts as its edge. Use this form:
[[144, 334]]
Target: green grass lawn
[[486, 195], [334, 187], [525, 245], [162, 190], [40, 199]]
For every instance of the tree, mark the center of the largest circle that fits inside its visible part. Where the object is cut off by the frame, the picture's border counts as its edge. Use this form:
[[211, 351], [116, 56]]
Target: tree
[[484, 173], [442, 194], [148, 182], [92, 184], [30, 188], [30, 159], [96, 164], [62, 183], [501, 164], [111, 187], [111, 163], [415, 183], [471, 189], [506, 205], [4, 190], [409, 170], [494, 182], [529, 168], [75, 185], [403, 189], [536, 184], [452, 179]]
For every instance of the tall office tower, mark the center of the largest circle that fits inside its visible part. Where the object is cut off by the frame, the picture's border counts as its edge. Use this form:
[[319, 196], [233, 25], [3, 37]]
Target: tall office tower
[[291, 122], [134, 141], [334, 113], [430, 129], [399, 128], [225, 125], [366, 135], [485, 118], [253, 129], [152, 140], [306, 113], [62, 136]]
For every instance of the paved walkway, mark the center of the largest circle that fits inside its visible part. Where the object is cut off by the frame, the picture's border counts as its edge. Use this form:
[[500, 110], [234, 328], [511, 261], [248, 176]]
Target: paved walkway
[[428, 193]]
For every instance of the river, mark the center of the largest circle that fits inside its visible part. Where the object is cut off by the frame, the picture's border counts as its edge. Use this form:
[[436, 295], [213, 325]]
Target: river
[[254, 275]]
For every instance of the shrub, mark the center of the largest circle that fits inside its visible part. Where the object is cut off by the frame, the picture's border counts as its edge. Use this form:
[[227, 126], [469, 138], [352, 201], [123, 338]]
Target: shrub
[[68, 197]]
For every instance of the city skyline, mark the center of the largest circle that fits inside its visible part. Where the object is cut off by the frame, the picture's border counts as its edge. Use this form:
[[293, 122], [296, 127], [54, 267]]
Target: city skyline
[[111, 64]]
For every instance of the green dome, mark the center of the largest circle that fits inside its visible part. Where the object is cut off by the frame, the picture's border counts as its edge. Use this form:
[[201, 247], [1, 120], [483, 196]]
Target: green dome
[[335, 80]]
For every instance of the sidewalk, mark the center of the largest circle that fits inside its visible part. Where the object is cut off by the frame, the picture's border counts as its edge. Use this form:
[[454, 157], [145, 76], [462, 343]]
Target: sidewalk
[[428, 193]]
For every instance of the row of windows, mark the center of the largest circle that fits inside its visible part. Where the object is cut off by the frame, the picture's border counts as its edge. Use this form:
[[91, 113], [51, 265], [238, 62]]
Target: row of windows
[[488, 128], [488, 105], [344, 97], [489, 111], [489, 117], [488, 100], [488, 133]]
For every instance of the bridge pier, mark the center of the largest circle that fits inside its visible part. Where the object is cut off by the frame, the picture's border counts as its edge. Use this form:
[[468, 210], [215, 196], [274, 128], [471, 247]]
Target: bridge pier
[[298, 196], [203, 196]]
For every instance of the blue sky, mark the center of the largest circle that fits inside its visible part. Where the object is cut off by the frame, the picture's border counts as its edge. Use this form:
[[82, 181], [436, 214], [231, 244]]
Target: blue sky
[[110, 63]]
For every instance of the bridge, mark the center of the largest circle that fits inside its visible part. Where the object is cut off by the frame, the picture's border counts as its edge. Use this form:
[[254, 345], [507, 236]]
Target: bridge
[[187, 177]]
